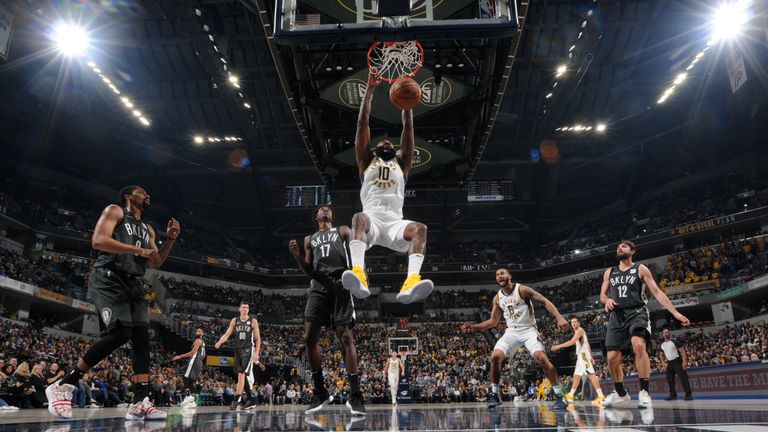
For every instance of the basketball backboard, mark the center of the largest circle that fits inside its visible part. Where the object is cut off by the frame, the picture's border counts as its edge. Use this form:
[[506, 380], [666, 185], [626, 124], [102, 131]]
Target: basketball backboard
[[347, 21]]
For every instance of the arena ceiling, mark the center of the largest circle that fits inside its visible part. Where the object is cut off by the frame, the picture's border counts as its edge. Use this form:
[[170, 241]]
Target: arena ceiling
[[160, 54]]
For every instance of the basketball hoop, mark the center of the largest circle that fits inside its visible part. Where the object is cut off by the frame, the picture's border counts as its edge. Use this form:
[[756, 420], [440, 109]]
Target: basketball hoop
[[394, 60]]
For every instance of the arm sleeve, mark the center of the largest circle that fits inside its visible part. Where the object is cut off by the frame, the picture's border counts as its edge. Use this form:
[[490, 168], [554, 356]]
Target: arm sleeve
[[678, 343]]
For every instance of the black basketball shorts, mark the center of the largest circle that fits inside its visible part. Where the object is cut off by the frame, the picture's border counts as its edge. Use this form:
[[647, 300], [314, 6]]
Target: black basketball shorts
[[118, 298], [193, 369], [625, 323], [329, 304], [243, 358]]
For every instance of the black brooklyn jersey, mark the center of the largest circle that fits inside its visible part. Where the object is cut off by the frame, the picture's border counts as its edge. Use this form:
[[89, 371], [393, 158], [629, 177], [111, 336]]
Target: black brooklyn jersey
[[626, 288], [329, 252], [200, 354], [243, 334], [129, 231]]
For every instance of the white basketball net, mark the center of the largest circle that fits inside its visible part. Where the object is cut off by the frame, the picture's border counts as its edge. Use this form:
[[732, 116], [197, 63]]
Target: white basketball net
[[394, 60]]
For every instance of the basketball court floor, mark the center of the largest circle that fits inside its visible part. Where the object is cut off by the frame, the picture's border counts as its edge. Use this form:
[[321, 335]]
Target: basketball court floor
[[721, 416]]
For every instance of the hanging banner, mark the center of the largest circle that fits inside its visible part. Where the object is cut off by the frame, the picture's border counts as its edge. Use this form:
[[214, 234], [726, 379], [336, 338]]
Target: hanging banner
[[736, 72], [6, 32]]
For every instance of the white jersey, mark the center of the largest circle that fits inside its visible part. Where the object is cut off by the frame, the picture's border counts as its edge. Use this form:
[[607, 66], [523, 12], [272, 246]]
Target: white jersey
[[394, 367], [517, 311], [383, 189], [582, 346]]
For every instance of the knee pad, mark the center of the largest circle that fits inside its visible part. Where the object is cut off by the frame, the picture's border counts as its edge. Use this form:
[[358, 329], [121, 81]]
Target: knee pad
[[140, 339]]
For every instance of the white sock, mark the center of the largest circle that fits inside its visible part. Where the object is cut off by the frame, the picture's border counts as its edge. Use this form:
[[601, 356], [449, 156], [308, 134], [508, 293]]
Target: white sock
[[357, 250], [494, 388], [414, 263], [600, 393], [573, 390], [558, 390]]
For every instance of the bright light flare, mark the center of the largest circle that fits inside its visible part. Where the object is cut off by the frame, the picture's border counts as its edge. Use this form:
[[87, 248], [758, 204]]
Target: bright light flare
[[729, 20], [71, 40], [561, 70], [600, 127]]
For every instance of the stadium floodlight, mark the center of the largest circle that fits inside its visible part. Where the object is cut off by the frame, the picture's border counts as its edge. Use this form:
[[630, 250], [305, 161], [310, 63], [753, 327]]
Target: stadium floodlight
[[729, 20], [72, 41], [549, 95], [144, 121], [561, 70], [680, 78], [600, 127], [234, 79], [199, 139]]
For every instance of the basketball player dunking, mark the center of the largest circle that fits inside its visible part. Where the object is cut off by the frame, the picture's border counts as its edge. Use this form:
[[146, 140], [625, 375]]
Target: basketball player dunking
[[328, 304], [247, 350], [393, 370], [584, 363], [515, 302], [196, 357], [383, 174], [629, 323], [125, 247]]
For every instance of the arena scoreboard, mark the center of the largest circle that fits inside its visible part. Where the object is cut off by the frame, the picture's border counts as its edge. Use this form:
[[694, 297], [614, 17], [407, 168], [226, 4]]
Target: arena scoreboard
[[490, 190], [307, 196]]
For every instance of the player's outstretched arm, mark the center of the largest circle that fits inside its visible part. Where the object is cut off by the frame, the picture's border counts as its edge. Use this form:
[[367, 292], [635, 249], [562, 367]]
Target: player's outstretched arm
[[363, 155], [647, 278], [493, 321], [304, 264], [195, 347], [528, 292], [102, 235], [226, 334], [572, 341], [407, 140]]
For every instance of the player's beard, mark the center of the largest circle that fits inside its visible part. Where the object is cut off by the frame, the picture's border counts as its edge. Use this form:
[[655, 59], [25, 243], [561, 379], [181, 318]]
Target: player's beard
[[145, 205], [385, 154], [503, 283], [621, 256]]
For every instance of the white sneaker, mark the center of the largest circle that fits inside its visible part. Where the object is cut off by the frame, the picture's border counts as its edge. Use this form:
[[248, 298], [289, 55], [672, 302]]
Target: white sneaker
[[60, 400], [614, 399], [144, 410], [188, 402], [644, 400], [122, 405]]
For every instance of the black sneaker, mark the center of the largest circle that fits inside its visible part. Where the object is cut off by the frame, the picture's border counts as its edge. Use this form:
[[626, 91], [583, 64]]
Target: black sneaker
[[355, 404], [234, 405], [688, 397], [493, 400], [317, 403], [250, 404], [560, 403], [670, 398]]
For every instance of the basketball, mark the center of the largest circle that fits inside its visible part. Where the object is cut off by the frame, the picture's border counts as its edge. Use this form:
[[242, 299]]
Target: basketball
[[405, 93]]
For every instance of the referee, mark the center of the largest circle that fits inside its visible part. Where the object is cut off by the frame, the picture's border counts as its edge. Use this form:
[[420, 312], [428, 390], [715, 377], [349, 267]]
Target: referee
[[674, 355]]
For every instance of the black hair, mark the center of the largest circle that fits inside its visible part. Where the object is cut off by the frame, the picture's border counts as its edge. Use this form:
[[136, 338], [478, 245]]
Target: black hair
[[317, 210], [128, 190], [628, 243], [505, 269], [245, 302]]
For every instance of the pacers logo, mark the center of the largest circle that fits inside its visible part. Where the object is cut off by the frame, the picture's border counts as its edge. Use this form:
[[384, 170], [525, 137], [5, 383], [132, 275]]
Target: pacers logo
[[420, 157], [352, 91], [435, 95]]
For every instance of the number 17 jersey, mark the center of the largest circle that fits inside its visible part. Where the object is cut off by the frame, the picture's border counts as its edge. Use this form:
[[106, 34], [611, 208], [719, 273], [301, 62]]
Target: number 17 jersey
[[329, 252]]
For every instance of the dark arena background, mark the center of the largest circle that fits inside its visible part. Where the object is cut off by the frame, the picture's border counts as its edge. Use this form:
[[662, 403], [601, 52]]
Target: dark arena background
[[547, 133]]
